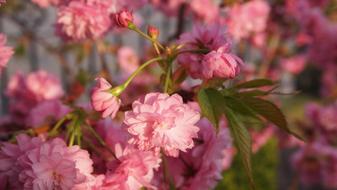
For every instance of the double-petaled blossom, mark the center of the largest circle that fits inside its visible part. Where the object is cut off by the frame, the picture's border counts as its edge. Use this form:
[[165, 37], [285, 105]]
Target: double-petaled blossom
[[104, 100], [248, 18], [26, 92], [33, 164], [80, 20], [123, 18], [134, 170], [128, 60], [160, 121], [5, 52], [210, 55]]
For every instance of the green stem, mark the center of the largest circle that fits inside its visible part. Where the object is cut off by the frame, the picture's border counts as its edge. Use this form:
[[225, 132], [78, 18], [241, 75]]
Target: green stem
[[168, 77], [128, 81], [136, 29], [167, 176], [58, 125], [101, 141]]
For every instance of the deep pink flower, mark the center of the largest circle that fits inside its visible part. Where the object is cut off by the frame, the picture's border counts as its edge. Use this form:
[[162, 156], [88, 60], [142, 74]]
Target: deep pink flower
[[153, 32], [216, 45], [159, 121], [123, 18], [104, 101], [80, 20], [220, 64], [5, 52], [250, 17], [135, 170]]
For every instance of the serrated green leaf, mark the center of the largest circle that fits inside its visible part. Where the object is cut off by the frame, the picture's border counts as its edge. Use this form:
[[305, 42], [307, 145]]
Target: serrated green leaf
[[256, 83], [268, 110], [210, 103], [253, 93], [239, 107], [242, 141]]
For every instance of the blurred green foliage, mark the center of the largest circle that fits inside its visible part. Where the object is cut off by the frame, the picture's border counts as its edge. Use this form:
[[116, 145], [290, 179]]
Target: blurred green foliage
[[264, 163]]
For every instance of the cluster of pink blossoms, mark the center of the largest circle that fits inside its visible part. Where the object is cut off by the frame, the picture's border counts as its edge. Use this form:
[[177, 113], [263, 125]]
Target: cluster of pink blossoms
[[34, 164], [215, 59], [26, 92], [5, 52], [316, 162]]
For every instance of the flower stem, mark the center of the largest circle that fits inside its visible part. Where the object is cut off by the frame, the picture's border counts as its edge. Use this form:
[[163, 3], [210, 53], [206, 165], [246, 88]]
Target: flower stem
[[59, 124], [136, 29], [128, 81]]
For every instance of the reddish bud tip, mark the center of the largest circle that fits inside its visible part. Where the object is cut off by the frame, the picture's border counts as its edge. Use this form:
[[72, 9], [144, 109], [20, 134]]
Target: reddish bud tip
[[153, 32], [123, 18]]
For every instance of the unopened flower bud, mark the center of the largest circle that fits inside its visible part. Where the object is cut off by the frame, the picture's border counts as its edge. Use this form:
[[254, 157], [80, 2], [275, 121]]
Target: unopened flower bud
[[123, 18], [153, 32]]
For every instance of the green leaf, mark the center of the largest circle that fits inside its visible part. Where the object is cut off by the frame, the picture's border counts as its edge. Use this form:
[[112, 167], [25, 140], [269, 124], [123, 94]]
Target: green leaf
[[268, 110], [210, 101], [242, 141], [253, 93], [255, 83], [239, 107]]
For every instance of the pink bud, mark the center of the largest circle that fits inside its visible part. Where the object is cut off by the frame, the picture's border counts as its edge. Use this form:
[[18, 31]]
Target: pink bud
[[153, 32], [123, 18]]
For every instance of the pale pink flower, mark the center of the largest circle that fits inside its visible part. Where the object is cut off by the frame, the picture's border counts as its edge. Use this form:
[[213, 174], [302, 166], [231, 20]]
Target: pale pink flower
[[134, 171], [220, 64], [205, 10], [11, 156], [47, 112], [44, 86], [79, 20], [128, 60], [215, 43], [159, 121], [54, 165], [47, 3], [294, 64], [104, 101], [5, 52], [25, 92], [201, 167], [250, 17], [170, 7]]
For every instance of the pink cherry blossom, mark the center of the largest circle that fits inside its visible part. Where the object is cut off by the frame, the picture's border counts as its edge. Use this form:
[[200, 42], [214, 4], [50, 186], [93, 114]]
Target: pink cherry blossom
[[217, 61], [47, 3], [128, 60], [123, 18], [250, 17], [135, 170], [159, 121], [205, 10], [170, 7], [5, 52], [104, 101], [294, 64], [220, 64], [46, 112], [79, 20]]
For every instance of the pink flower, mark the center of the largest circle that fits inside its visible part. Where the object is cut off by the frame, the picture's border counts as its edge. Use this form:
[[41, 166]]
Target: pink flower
[[159, 121], [128, 60], [205, 10], [44, 86], [47, 3], [170, 7], [123, 18], [250, 17], [135, 170], [214, 42], [220, 64], [294, 64], [153, 32], [79, 20], [104, 101], [47, 112], [2, 2], [25, 92], [5, 51]]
